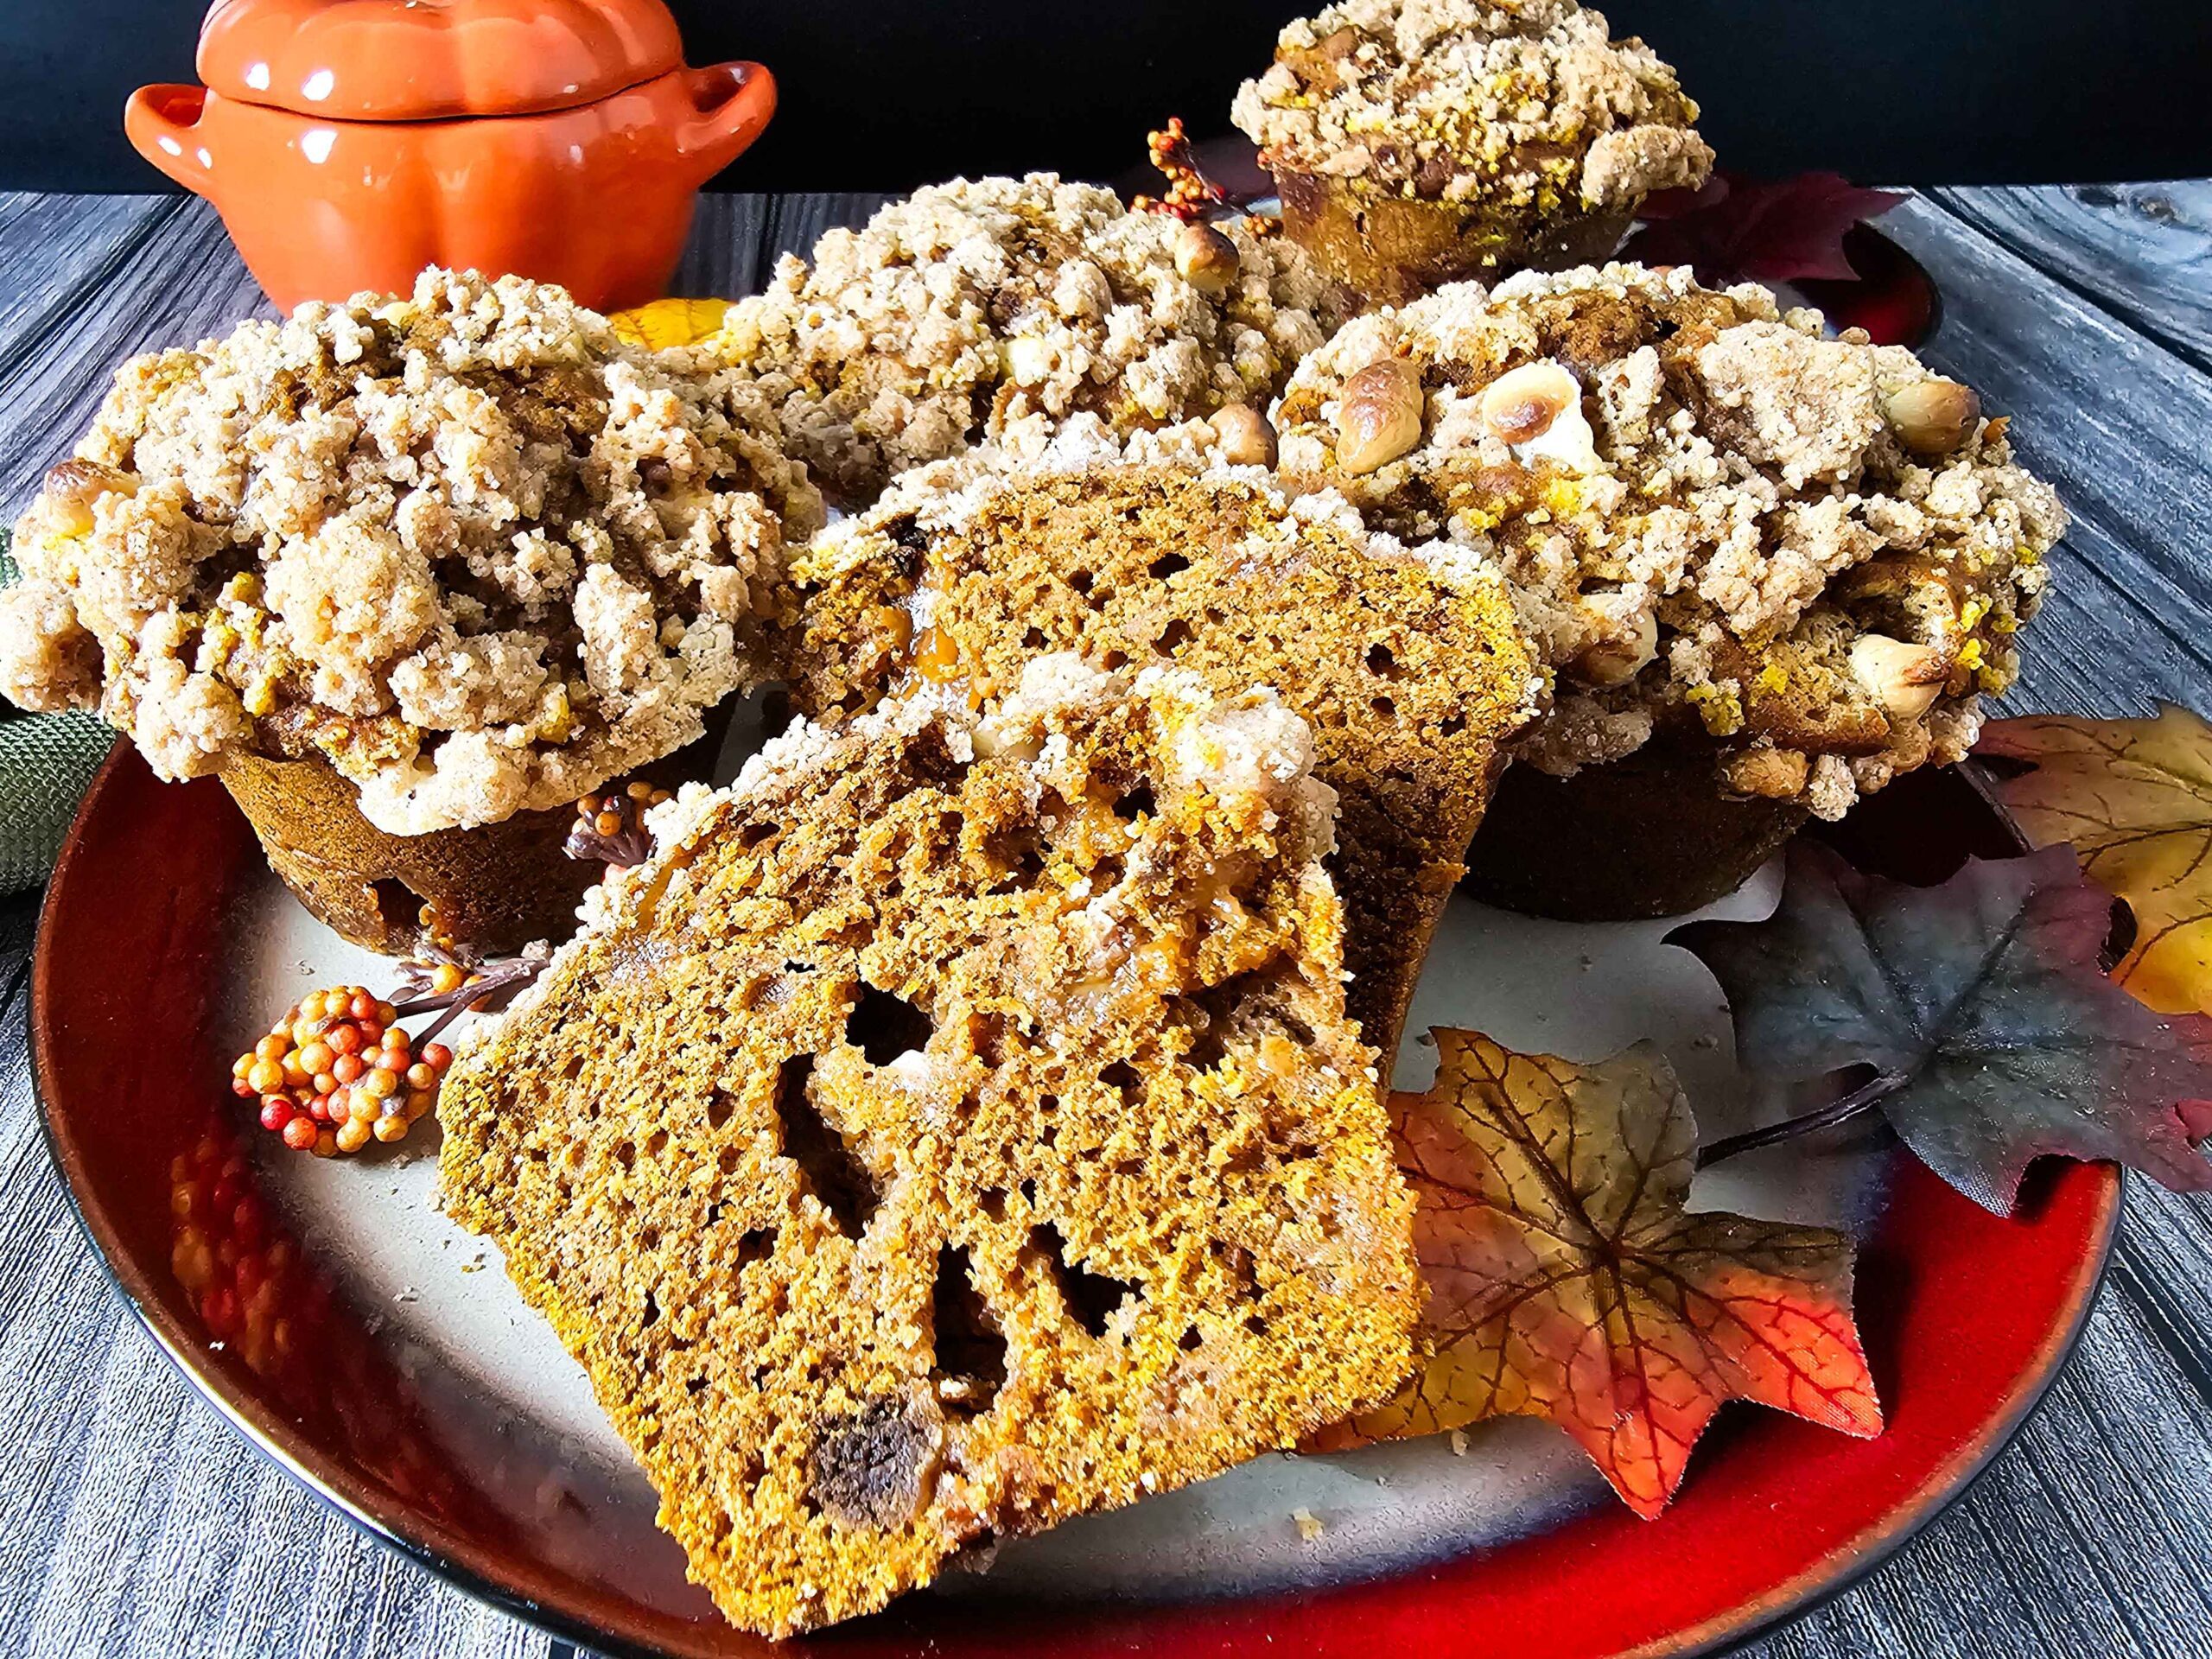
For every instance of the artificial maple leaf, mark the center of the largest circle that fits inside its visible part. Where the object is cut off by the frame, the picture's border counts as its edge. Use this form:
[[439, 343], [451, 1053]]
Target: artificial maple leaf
[[2134, 798], [663, 325], [1980, 1003], [1566, 1281], [1783, 231]]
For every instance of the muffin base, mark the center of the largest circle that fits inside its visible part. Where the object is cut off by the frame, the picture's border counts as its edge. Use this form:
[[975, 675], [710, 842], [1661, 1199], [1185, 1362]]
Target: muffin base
[[493, 888], [1648, 835], [1390, 250]]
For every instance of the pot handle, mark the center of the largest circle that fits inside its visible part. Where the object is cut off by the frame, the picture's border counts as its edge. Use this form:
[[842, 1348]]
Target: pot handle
[[734, 101], [161, 122]]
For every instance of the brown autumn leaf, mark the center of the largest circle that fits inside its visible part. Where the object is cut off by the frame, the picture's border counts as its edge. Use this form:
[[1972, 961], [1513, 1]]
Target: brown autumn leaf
[[2134, 796], [1566, 1280]]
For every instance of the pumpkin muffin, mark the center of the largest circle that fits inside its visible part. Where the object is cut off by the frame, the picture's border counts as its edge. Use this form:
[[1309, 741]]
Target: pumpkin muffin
[[952, 1128], [1779, 569], [412, 575], [994, 310], [1408, 663], [1417, 142]]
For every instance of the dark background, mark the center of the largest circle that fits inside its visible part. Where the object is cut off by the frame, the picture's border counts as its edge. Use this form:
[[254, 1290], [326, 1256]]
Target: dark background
[[883, 95]]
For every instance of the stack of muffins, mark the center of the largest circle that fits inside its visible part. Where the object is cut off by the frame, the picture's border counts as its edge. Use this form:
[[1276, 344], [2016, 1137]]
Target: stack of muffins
[[1198, 588]]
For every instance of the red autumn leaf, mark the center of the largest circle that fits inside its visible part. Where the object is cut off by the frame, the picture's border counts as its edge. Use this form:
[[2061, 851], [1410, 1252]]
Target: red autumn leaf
[[1785, 231], [1567, 1280]]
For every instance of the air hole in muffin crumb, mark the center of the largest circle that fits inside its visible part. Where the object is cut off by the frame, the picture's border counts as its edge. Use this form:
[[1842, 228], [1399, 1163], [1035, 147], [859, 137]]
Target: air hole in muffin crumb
[[1137, 804], [1381, 662], [399, 907], [720, 1105], [1173, 637], [757, 1245], [1191, 1341], [971, 1367], [1091, 1297], [1166, 565], [883, 1027], [1122, 1076], [836, 1178]]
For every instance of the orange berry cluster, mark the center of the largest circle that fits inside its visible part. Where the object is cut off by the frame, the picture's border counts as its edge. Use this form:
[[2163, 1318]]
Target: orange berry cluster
[[1190, 195], [337, 1071], [610, 827]]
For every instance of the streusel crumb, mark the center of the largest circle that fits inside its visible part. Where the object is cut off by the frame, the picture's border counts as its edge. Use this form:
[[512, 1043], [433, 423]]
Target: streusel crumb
[[1816, 551], [995, 309], [466, 545], [1526, 103]]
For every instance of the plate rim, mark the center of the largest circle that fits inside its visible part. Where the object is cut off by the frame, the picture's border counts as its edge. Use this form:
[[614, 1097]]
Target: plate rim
[[1845, 1564]]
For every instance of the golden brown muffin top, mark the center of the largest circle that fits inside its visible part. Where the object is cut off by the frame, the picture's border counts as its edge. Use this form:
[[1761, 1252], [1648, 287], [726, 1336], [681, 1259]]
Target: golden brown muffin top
[[995, 309], [1526, 103], [466, 545], [1816, 551]]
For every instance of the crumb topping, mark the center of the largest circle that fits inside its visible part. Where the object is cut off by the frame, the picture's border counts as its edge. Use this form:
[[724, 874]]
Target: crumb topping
[[1526, 103], [466, 545], [1815, 550], [997, 309]]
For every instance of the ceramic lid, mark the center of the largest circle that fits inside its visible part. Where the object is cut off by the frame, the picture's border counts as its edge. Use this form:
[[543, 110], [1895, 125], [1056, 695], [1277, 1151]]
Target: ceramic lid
[[418, 60]]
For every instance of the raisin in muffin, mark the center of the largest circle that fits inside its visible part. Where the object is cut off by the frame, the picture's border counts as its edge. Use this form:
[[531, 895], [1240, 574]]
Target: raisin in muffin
[[995, 309], [952, 1128], [1417, 142], [404, 570], [1778, 569]]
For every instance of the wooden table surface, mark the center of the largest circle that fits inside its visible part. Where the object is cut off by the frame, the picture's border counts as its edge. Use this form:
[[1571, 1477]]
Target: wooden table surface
[[132, 1521]]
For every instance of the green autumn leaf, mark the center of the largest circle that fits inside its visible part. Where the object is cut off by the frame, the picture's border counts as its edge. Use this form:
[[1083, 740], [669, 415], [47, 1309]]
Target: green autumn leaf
[[1983, 1001]]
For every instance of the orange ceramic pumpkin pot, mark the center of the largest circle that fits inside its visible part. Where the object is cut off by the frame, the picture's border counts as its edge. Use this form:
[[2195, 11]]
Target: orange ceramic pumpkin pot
[[348, 144]]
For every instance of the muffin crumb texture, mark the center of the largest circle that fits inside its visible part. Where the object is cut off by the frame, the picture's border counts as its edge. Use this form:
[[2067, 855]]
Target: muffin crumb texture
[[953, 1129], [1410, 664], [1529, 106], [994, 310], [467, 546], [1815, 553]]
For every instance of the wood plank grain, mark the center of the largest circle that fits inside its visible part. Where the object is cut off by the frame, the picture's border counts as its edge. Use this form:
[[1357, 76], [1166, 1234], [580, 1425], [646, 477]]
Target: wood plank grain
[[58, 245], [180, 287], [725, 257], [2143, 252], [138, 1521], [2116, 421], [796, 222]]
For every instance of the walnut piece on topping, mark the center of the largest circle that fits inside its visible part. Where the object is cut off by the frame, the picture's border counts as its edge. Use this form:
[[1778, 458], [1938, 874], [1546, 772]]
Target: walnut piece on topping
[[994, 311], [1526, 103], [466, 545], [1378, 418], [1716, 520]]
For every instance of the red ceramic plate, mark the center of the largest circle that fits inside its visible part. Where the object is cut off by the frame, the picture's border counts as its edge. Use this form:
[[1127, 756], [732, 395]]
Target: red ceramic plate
[[1966, 1319]]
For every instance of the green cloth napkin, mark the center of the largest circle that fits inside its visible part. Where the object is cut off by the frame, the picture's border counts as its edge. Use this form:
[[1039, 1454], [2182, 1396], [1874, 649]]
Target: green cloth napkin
[[47, 762]]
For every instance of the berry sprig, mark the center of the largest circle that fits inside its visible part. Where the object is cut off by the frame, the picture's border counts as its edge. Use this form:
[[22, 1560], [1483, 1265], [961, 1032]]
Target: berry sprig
[[337, 1071], [610, 828], [1190, 195]]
